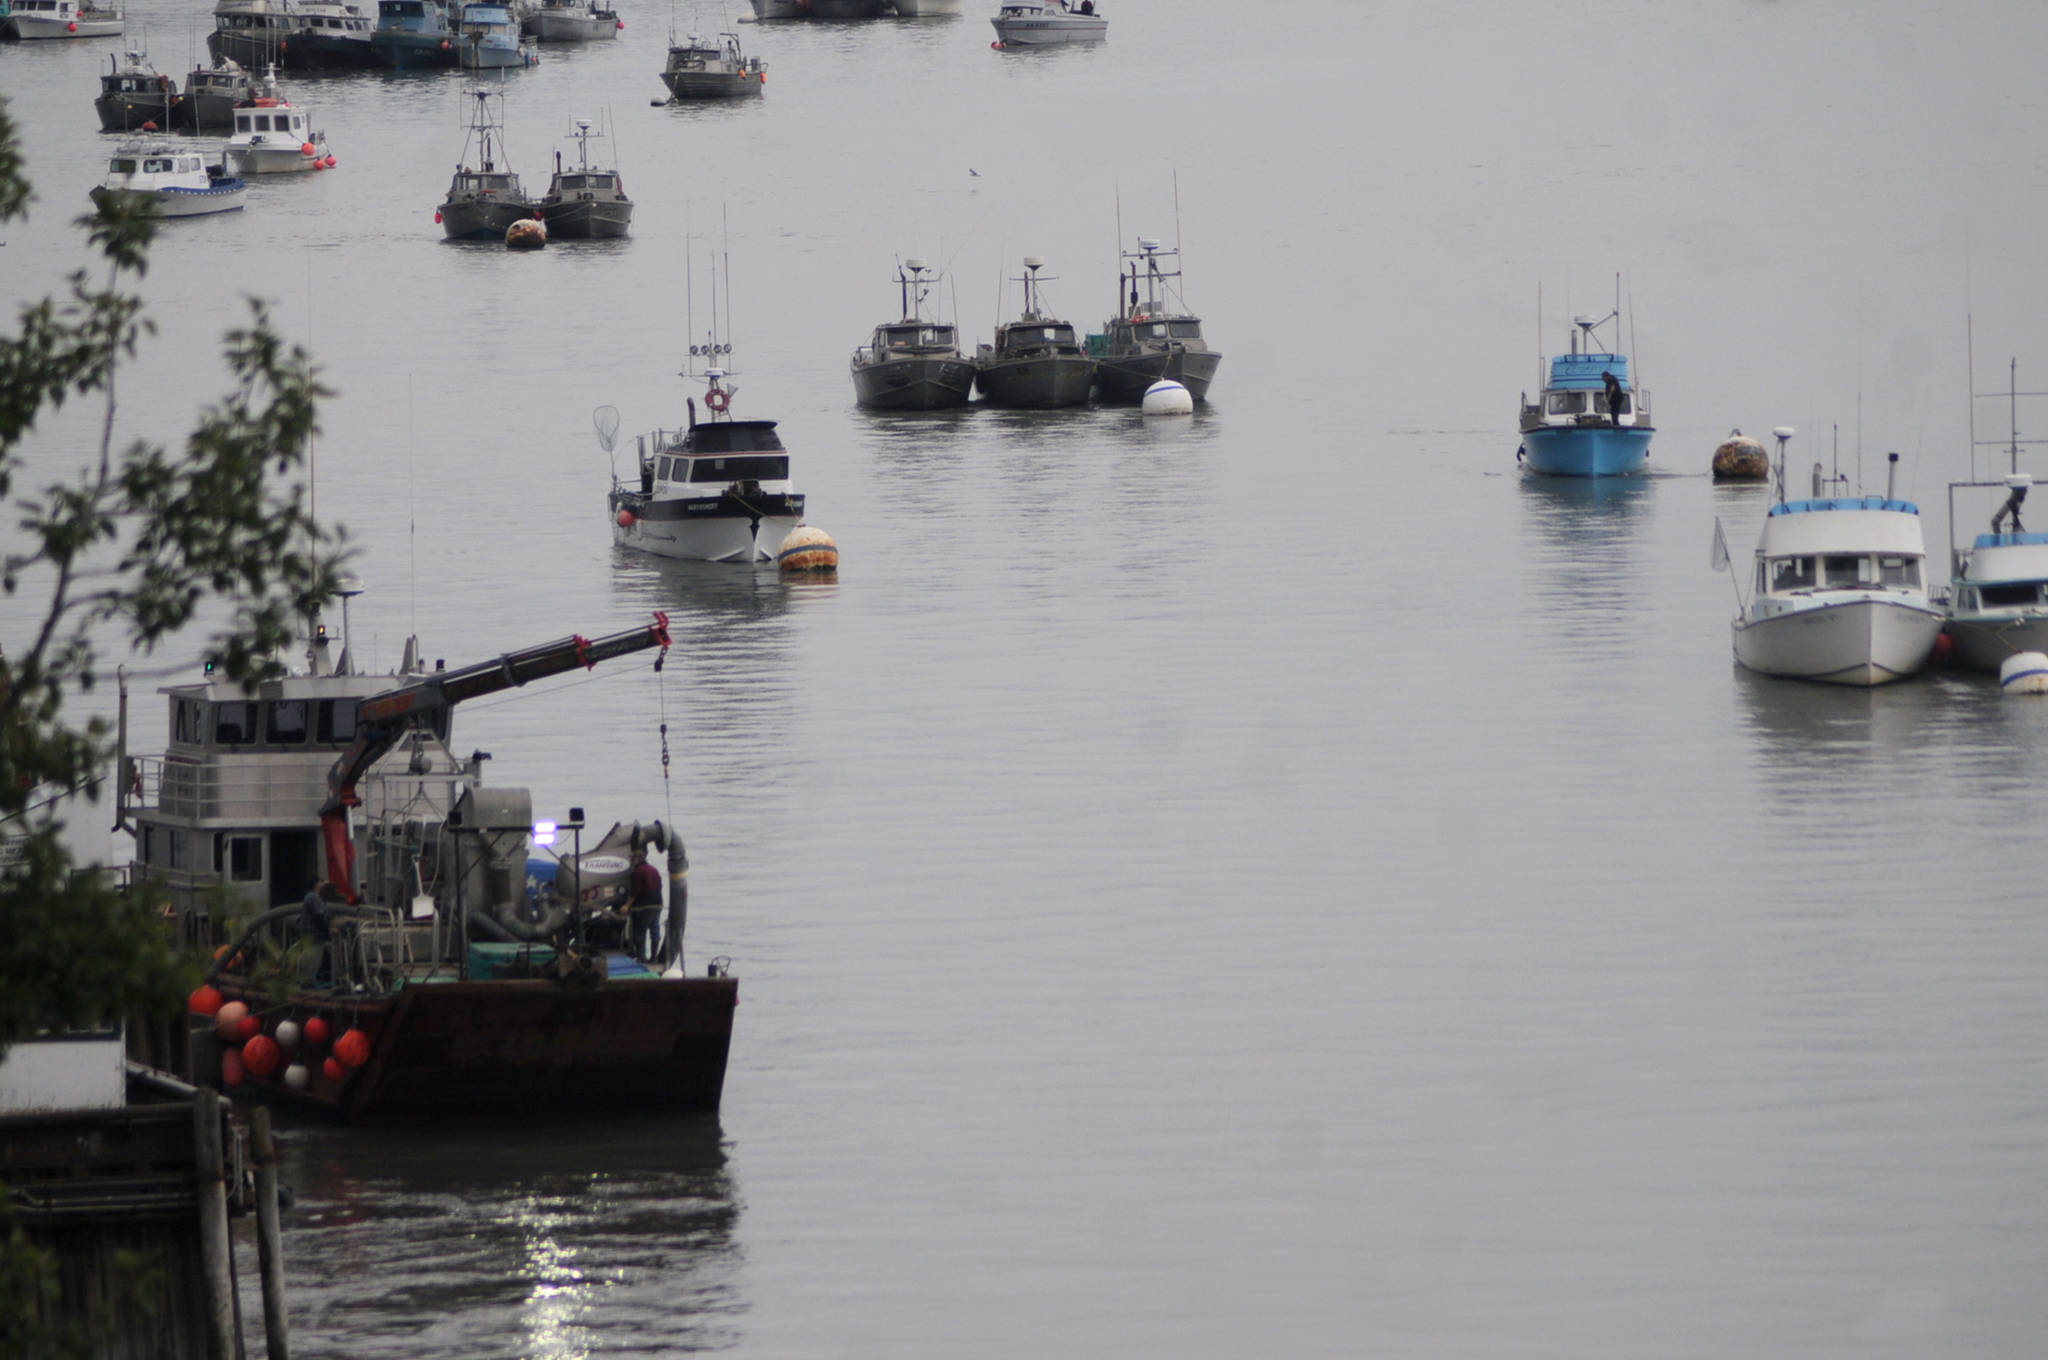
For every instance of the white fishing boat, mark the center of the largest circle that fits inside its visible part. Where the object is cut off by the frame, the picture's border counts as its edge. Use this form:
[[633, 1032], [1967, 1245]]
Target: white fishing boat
[[176, 179], [716, 491], [487, 39], [573, 21], [1998, 597], [273, 136], [1839, 593], [27, 20], [1046, 23]]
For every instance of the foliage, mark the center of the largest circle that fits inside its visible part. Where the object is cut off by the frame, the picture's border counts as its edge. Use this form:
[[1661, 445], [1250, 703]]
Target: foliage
[[131, 543]]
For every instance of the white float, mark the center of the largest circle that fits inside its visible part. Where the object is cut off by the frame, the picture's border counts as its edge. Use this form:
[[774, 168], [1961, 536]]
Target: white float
[[1167, 398], [2024, 673]]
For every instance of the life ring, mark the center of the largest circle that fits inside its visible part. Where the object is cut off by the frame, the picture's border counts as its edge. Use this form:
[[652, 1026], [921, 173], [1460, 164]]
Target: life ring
[[716, 400]]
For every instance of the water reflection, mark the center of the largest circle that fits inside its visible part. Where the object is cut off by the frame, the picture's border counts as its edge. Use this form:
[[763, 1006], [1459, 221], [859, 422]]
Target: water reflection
[[1585, 556], [564, 1239]]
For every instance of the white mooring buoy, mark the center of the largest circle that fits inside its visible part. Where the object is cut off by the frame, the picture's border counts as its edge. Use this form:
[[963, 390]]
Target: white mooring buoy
[[1167, 398], [808, 548], [2024, 673]]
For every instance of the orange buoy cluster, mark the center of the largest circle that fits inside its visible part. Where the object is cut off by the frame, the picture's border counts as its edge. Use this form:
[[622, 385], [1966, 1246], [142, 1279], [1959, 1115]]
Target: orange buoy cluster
[[290, 1046]]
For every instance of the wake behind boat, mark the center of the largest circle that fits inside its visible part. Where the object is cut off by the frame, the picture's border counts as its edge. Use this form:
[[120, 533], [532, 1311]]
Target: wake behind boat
[[1588, 420], [1839, 593]]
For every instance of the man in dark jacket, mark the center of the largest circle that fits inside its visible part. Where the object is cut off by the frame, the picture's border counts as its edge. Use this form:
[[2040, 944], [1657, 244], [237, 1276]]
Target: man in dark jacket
[[644, 907]]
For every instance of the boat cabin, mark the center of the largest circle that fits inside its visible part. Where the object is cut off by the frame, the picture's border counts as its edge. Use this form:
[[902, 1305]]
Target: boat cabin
[[484, 183], [1843, 543], [136, 79], [485, 20], [1577, 392], [2012, 575], [587, 183], [260, 124], [131, 164], [1028, 335], [912, 337]]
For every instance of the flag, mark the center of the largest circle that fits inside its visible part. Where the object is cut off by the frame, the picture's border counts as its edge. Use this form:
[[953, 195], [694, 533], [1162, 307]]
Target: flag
[[1719, 558]]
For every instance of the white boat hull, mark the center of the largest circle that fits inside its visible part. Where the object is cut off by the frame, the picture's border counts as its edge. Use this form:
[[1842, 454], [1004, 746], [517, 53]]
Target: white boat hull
[[1850, 639], [709, 539], [271, 160], [1050, 32], [30, 27], [919, 9]]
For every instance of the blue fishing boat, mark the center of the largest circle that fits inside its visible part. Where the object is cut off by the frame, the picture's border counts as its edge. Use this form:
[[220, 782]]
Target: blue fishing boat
[[1590, 420], [413, 35]]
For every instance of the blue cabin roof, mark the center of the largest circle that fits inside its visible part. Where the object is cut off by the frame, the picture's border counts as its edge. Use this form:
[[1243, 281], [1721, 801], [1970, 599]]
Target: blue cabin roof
[[2010, 540], [1582, 372], [1846, 503]]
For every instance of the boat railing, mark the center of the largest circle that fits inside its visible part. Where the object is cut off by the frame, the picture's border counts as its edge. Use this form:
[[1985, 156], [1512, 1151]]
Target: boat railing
[[253, 791]]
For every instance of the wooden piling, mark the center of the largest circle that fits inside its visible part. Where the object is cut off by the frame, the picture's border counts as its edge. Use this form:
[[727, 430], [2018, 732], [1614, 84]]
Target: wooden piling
[[215, 1249], [269, 1238]]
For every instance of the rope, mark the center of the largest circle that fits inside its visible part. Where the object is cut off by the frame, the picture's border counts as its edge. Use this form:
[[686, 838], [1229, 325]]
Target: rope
[[667, 790]]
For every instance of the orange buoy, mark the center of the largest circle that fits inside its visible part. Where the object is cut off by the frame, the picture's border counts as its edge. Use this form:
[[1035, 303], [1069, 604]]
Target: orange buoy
[[808, 548], [227, 1021], [261, 1055], [316, 1031], [625, 519], [333, 1070], [231, 1067], [352, 1048], [205, 1001], [305, 148], [251, 1026]]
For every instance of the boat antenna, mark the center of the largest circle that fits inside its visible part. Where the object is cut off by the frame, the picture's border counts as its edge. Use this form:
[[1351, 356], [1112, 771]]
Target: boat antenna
[[1970, 353], [1176, 224], [2012, 394], [1539, 335], [1119, 256], [1635, 356], [412, 531], [1783, 434]]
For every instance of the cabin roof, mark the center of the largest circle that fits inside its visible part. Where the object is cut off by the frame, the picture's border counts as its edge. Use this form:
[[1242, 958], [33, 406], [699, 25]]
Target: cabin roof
[[2011, 540], [1583, 372], [1848, 503]]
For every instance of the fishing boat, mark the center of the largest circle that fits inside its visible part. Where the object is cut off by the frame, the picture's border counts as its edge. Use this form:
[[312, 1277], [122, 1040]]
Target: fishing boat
[[212, 93], [912, 363], [1998, 594], [135, 96], [1588, 420], [461, 957], [1036, 361], [333, 36], [487, 39], [1839, 593], [484, 198], [293, 35], [923, 9], [817, 9], [1153, 337], [413, 35], [573, 21], [176, 179], [272, 136], [703, 68], [1047, 23], [28, 20], [586, 202], [717, 490]]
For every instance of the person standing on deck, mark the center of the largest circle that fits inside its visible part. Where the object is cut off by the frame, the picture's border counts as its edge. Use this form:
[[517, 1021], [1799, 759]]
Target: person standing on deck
[[643, 907], [1617, 400], [314, 924]]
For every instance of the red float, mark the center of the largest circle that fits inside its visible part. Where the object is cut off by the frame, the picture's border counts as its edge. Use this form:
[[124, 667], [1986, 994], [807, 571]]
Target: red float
[[353, 1048], [227, 1022], [231, 1068], [625, 519], [316, 1031], [205, 1001], [251, 1026], [261, 1055], [333, 1070], [305, 148]]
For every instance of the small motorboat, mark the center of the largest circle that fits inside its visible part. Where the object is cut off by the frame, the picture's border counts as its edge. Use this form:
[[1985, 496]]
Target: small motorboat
[[573, 21], [913, 363], [177, 180], [701, 68], [1839, 593], [1045, 23], [413, 35], [1036, 361], [135, 96], [27, 20], [272, 136], [586, 202], [1588, 420], [1998, 598]]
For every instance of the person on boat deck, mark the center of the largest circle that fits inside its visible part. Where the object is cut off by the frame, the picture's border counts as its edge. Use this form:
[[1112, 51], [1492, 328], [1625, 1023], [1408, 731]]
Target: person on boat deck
[[644, 909], [1617, 400], [314, 923]]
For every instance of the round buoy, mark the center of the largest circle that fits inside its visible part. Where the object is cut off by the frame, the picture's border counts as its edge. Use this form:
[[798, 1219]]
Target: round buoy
[[1167, 398], [205, 1001], [808, 548], [231, 1067], [333, 1070], [329, 162], [71, 27], [1944, 648], [149, 126], [227, 1021], [2024, 673], [287, 1034], [353, 1048], [307, 149], [625, 519], [526, 234], [251, 1026], [316, 1031], [296, 1076], [1741, 459], [261, 1055]]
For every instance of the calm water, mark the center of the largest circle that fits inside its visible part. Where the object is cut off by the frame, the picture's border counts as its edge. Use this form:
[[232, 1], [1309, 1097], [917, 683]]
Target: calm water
[[1276, 883]]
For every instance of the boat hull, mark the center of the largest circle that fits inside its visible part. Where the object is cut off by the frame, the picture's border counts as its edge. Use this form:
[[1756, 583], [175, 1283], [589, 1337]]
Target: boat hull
[[229, 197], [479, 56], [402, 51], [713, 84], [1124, 378], [1051, 32], [924, 9], [817, 9], [592, 220], [1587, 450], [28, 28], [297, 51], [1984, 641], [1040, 383], [707, 531], [207, 113], [913, 384], [271, 160], [1857, 640], [480, 220], [521, 1046], [130, 112], [549, 27]]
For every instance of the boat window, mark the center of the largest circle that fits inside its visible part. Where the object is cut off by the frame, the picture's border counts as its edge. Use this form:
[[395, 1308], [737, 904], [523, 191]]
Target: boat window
[[176, 846], [234, 724], [758, 468], [665, 470], [185, 720], [188, 163], [2008, 596], [573, 181], [242, 122], [241, 858], [1567, 403], [148, 844], [121, 165], [1184, 330], [937, 335], [1792, 573], [1899, 571], [1762, 580], [157, 165], [1153, 331], [286, 722], [1845, 570], [337, 722]]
